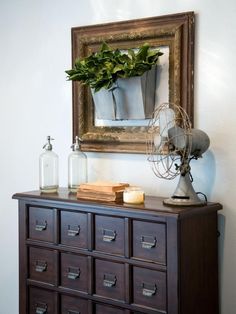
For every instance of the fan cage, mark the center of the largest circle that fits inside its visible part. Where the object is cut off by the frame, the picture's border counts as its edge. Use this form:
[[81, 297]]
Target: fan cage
[[166, 160]]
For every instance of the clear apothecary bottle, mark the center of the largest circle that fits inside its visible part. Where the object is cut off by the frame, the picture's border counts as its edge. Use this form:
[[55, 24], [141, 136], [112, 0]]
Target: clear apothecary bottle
[[48, 169], [77, 167]]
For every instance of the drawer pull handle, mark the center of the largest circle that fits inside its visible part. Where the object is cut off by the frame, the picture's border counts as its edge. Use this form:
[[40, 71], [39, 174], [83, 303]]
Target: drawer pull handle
[[40, 226], [73, 273], [41, 308], [73, 312], [108, 235], [73, 232], [149, 292], [41, 266], [109, 280], [148, 244]]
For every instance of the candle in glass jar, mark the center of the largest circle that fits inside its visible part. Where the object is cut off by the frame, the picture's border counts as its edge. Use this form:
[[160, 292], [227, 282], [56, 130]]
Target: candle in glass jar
[[133, 195]]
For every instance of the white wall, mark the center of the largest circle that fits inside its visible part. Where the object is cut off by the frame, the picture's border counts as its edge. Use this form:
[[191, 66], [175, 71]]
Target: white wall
[[35, 100]]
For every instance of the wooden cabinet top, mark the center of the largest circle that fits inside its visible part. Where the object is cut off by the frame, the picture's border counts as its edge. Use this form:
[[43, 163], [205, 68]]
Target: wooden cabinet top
[[152, 205]]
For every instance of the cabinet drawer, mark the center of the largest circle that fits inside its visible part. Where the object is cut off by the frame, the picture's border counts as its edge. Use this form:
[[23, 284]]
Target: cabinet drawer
[[103, 309], [149, 241], [74, 231], [73, 305], [41, 224], [42, 265], [41, 301], [149, 288], [109, 235], [74, 272], [109, 279]]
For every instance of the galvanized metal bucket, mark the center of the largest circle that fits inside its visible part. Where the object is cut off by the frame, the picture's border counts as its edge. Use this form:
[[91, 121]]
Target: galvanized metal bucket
[[128, 99]]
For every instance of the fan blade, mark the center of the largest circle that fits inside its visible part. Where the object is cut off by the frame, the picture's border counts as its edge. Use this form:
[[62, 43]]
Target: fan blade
[[157, 140], [166, 121], [178, 137]]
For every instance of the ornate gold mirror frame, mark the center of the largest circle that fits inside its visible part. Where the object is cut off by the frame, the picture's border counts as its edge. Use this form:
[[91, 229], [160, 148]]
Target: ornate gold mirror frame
[[173, 31]]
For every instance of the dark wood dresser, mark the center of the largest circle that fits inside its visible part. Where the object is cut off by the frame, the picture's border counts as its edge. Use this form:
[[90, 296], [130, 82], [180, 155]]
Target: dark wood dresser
[[83, 257]]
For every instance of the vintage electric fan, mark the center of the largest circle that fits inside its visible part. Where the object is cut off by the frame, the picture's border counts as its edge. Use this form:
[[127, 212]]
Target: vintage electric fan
[[171, 146]]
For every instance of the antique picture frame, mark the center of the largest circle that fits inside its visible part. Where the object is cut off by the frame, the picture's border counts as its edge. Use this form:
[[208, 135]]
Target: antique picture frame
[[173, 31]]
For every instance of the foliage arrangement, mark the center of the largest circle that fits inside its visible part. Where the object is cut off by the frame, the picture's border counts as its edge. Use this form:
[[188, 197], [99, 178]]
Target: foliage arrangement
[[101, 69]]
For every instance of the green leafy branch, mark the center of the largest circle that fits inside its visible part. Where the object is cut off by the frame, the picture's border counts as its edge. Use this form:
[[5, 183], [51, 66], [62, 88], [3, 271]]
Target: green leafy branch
[[101, 69]]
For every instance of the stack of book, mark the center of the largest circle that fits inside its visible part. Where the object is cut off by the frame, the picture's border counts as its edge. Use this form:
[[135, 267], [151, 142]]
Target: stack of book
[[102, 191]]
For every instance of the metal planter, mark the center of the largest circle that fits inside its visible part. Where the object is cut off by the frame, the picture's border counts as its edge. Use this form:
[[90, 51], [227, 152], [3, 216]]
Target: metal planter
[[128, 99]]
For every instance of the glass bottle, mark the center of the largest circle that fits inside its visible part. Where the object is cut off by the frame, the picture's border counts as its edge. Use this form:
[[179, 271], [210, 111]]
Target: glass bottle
[[77, 167], [48, 169]]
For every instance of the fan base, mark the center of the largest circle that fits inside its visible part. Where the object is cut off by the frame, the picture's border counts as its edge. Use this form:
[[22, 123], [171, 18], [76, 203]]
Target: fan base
[[184, 194], [172, 201]]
